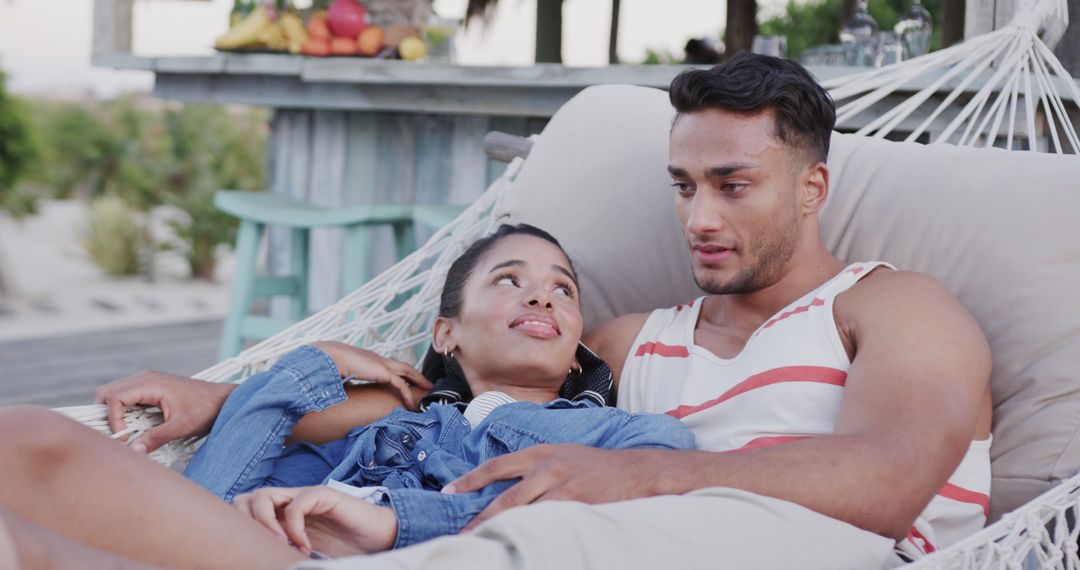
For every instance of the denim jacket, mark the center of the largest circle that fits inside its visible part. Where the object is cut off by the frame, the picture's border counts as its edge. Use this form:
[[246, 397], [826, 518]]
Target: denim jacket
[[412, 454]]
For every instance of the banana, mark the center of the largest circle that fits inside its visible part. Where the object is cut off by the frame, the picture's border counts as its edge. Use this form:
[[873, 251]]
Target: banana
[[294, 30], [246, 32], [273, 37]]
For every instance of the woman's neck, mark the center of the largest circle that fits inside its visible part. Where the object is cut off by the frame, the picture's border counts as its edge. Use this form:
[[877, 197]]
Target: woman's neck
[[520, 393]]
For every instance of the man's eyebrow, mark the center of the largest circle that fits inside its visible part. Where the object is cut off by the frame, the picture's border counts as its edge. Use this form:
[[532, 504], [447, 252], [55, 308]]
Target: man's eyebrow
[[508, 263], [676, 171], [728, 169], [566, 272]]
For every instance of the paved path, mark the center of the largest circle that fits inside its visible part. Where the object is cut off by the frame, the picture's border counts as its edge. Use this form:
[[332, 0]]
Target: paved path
[[65, 370]]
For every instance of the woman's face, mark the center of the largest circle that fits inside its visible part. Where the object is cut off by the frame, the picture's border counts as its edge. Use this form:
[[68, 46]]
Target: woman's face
[[520, 319]]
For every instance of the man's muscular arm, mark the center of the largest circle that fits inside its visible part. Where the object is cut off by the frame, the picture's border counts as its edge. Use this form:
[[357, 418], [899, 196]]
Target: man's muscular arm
[[913, 400]]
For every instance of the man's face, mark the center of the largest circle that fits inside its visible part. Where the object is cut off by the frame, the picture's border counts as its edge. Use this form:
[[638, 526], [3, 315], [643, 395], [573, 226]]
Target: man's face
[[736, 198]]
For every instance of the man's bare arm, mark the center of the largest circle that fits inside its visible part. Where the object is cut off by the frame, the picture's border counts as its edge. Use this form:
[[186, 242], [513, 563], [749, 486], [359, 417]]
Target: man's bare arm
[[914, 399], [611, 341]]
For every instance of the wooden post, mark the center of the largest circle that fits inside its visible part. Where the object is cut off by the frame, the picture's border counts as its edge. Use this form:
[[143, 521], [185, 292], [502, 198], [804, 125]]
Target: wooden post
[[741, 26], [613, 37], [112, 26], [549, 31], [952, 22]]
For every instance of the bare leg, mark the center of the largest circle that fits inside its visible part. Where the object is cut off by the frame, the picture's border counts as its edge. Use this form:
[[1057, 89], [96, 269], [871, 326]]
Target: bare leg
[[65, 477], [31, 547]]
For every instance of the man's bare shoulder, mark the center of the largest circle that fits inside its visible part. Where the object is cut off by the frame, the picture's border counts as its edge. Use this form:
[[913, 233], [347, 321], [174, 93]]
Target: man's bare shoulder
[[907, 312], [887, 290], [612, 340]]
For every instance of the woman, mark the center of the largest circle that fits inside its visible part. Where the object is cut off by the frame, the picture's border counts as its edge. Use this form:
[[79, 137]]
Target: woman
[[510, 317]]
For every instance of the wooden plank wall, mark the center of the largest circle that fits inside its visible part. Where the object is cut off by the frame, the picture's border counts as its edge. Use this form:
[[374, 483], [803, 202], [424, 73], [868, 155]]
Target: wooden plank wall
[[334, 158]]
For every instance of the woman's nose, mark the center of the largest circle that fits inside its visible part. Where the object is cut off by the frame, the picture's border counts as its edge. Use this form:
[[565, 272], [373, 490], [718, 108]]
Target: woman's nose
[[538, 299]]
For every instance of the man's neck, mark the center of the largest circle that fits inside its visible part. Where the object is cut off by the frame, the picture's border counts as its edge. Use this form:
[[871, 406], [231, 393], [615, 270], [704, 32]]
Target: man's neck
[[747, 311]]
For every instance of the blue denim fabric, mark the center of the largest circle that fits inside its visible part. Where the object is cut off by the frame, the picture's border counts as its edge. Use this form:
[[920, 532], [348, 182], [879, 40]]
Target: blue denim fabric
[[413, 454]]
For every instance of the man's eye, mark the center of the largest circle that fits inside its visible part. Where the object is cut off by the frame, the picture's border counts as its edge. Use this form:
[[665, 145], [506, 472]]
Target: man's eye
[[681, 187], [733, 186]]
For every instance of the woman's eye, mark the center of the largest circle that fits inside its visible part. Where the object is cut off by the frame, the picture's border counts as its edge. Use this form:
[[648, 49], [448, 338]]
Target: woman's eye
[[506, 280], [565, 290]]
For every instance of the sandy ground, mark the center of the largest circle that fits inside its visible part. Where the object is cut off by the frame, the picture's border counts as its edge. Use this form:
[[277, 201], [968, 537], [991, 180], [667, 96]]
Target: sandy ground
[[57, 290]]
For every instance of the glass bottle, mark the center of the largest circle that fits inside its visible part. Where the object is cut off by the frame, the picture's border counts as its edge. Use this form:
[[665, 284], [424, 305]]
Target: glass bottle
[[860, 34], [914, 29]]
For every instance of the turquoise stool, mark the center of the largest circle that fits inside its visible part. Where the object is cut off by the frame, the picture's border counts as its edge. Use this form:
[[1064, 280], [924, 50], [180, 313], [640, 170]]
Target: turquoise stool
[[256, 211]]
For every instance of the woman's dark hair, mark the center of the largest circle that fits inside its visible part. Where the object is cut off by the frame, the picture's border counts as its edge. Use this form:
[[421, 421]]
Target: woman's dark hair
[[462, 268], [749, 83]]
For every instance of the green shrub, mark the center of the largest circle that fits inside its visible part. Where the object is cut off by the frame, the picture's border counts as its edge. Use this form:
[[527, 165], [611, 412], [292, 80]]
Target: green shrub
[[113, 236], [17, 153]]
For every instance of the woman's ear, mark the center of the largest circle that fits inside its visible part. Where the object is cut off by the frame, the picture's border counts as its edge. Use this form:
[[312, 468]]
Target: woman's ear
[[442, 336]]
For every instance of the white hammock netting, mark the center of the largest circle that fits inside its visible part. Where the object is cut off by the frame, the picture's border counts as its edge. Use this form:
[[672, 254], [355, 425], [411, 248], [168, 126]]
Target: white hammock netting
[[392, 313], [1023, 89]]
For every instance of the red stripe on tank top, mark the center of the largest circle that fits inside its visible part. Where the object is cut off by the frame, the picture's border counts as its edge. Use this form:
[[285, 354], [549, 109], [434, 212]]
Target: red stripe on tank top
[[915, 535], [689, 305], [856, 270], [661, 349], [958, 493], [815, 374], [771, 440], [818, 302]]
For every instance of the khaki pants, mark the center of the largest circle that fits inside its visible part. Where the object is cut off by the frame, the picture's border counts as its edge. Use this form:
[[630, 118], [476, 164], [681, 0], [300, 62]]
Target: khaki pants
[[712, 528]]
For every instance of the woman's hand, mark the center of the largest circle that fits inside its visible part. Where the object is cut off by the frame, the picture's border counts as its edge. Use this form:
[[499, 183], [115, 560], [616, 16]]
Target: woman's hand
[[367, 365], [320, 518]]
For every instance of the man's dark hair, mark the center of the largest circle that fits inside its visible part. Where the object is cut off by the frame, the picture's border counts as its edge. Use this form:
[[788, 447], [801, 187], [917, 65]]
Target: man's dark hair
[[750, 83], [451, 301]]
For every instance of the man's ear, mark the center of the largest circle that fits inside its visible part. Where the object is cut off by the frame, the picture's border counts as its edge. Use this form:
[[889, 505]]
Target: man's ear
[[442, 335], [814, 188]]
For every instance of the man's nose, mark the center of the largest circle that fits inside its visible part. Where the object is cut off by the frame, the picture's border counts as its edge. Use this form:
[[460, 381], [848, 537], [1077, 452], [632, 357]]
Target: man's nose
[[705, 215]]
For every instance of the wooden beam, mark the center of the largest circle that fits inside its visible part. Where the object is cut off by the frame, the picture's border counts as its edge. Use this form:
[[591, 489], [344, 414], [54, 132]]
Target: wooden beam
[[112, 26]]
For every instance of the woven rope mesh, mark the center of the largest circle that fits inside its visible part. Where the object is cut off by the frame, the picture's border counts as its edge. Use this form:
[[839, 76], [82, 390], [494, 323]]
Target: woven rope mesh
[[391, 315]]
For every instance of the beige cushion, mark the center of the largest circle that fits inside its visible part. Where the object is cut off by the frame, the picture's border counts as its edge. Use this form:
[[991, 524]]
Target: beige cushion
[[996, 227]]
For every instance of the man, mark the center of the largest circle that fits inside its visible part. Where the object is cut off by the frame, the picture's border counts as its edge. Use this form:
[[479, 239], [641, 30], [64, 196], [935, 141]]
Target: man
[[883, 369]]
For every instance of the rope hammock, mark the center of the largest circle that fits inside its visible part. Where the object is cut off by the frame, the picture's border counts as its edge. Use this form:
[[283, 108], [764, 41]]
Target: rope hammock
[[1022, 87]]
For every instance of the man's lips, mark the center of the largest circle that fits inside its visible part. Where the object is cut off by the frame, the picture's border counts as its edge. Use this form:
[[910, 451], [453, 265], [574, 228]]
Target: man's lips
[[711, 254], [540, 326]]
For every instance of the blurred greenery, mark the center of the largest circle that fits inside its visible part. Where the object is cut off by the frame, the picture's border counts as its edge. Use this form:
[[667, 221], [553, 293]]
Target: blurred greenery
[[18, 153], [147, 155], [113, 236], [818, 22]]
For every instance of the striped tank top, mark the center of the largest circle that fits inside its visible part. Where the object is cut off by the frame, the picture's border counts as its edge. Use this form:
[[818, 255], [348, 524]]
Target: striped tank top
[[786, 384]]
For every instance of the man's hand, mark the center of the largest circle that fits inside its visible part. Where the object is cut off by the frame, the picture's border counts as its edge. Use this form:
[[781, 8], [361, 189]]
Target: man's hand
[[323, 519], [563, 472], [190, 406], [367, 365]]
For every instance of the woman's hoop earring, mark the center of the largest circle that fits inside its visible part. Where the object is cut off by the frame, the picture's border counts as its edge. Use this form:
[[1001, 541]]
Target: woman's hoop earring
[[574, 371], [449, 354]]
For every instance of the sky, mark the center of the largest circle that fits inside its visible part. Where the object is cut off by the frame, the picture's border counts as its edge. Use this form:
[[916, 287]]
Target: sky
[[45, 44]]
